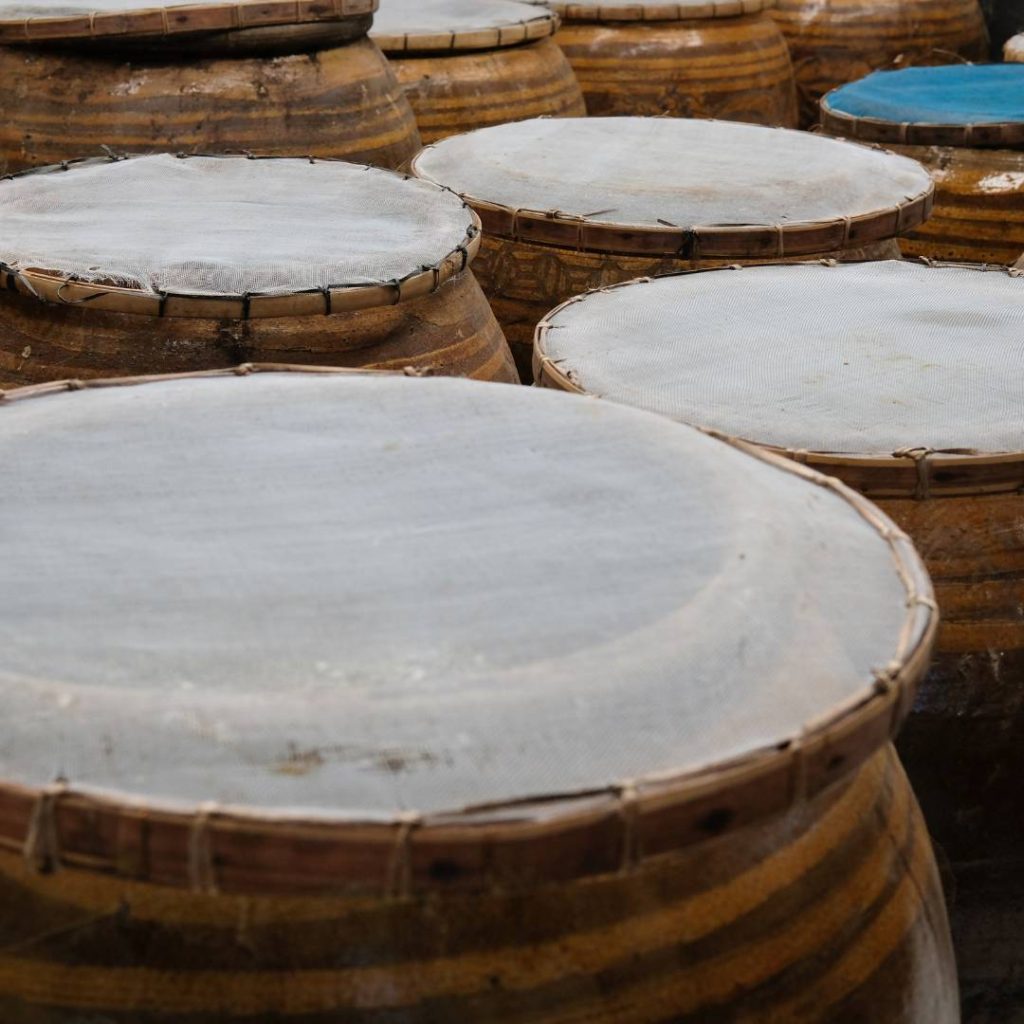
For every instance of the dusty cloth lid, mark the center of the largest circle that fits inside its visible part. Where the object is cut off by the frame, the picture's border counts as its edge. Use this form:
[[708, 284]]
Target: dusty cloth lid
[[867, 359], [672, 186], [355, 600], [444, 25], [239, 234], [23, 21], [952, 105], [630, 10]]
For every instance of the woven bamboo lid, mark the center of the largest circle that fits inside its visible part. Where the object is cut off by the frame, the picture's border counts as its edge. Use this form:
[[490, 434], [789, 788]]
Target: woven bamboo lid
[[953, 105], [677, 187], [27, 21], [229, 237], [896, 376], [629, 10], [294, 632], [441, 26]]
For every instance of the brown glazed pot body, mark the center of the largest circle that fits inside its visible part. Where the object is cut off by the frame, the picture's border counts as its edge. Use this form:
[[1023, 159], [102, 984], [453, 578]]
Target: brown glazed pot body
[[978, 216], [456, 92], [341, 101], [732, 69], [831, 912], [451, 331], [963, 744], [838, 41], [524, 281]]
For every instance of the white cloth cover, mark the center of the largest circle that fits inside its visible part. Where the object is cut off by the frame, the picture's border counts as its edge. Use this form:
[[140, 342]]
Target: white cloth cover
[[432, 18], [363, 596], [227, 225], [654, 10], [651, 171], [19, 10], [857, 358]]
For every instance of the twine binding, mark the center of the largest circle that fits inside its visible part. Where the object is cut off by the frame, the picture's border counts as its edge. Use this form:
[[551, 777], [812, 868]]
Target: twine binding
[[201, 870], [41, 849], [399, 878], [629, 813]]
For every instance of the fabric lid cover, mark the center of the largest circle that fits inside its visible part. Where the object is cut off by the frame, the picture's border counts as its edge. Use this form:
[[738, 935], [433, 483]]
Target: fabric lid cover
[[671, 175], [954, 105], [227, 226], [654, 10], [863, 358], [360, 596], [951, 94], [39, 20], [444, 25]]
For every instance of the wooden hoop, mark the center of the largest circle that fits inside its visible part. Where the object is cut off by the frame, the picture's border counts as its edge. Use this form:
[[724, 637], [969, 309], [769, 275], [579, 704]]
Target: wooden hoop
[[660, 12], [913, 471], [167, 21], [1002, 134], [65, 289], [547, 837], [541, 27], [554, 228]]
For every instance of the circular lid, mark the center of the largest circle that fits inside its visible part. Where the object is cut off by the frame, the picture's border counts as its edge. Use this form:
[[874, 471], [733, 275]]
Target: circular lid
[[24, 21], [229, 236], [356, 600], [670, 186], [630, 10], [445, 25], [1013, 49], [890, 358], [953, 105]]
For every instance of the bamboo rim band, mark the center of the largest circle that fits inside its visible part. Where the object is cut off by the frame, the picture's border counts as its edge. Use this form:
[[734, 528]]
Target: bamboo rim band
[[172, 20], [1006, 134], [66, 289], [916, 471], [553, 836], [766, 241], [458, 40], [635, 12]]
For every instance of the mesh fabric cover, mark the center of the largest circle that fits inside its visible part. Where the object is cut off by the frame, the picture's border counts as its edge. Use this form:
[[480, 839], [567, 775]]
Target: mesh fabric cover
[[437, 17], [953, 94], [17, 10], [654, 10], [227, 226], [426, 593], [862, 358], [649, 171]]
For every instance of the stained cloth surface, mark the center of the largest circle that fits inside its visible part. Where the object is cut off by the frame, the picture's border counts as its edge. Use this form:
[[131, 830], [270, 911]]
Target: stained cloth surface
[[665, 171], [424, 18], [366, 596], [858, 358], [226, 225], [956, 94], [630, 10], [19, 10]]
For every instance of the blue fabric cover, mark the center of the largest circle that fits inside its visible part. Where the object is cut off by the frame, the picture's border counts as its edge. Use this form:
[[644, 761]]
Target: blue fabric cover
[[952, 94]]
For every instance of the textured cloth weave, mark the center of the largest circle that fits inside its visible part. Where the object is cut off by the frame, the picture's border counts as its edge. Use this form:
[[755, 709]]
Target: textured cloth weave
[[369, 595]]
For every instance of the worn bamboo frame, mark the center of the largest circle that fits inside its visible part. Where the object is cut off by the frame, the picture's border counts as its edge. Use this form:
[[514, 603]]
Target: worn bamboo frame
[[728, 241], [461, 40], [55, 287], [178, 20], [543, 837], [911, 472]]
